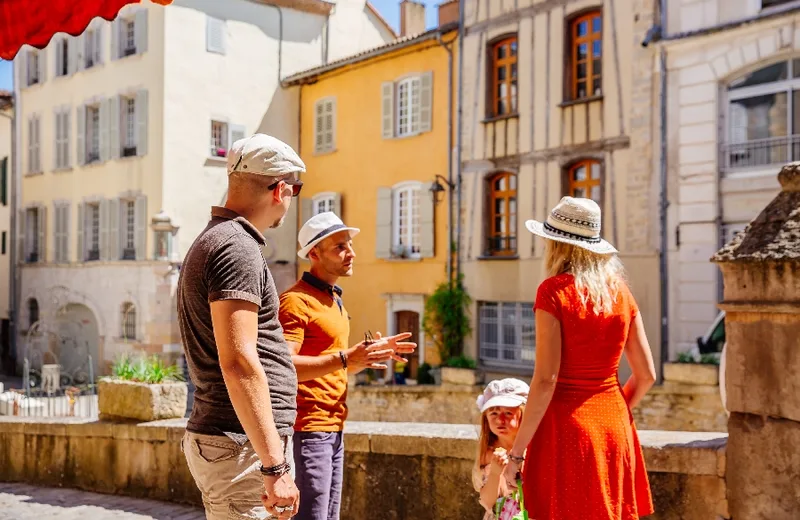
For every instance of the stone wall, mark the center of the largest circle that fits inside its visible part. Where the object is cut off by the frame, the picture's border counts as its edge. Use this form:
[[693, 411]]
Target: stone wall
[[401, 470], [683, 405]]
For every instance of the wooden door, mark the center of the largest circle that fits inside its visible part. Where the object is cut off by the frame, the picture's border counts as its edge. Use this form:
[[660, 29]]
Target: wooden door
[[408, 321]]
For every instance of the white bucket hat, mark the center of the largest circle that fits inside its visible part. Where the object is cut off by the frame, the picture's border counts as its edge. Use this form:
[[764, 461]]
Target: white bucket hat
[[509, 392], [319, 227], [573, 221], [262, 154]]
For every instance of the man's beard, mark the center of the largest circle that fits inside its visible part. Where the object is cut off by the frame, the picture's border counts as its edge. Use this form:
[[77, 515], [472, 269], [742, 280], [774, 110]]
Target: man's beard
[[278, 223]]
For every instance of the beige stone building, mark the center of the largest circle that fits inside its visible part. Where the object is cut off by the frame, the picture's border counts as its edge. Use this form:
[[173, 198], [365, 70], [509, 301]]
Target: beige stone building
[[6, 113], [733, 111], [547, 111], [123, 132]]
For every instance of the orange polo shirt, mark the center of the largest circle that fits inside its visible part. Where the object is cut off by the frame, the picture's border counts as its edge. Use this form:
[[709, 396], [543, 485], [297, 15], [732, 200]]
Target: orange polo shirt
[[311, 316]]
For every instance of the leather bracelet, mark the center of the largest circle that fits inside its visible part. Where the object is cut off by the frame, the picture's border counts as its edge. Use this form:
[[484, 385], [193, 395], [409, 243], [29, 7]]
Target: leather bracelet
[[277, 470], [514, 458], [343, 359]]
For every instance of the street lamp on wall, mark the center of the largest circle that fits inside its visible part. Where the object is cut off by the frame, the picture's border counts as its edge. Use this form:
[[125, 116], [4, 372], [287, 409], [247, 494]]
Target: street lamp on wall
[[437, 187]]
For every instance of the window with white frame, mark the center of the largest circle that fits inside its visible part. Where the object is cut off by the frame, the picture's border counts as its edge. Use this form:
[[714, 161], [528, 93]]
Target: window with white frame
[[33, 68], [33, 235], [128, 321], [62, 138], [219, 139], [763, 118], [34, 144], [323, 203], [128, 125], [506, 334], [62, 57], [325, 125], [406, 219], [407, 105], [128, 229], [91, 47], [92, 134], [215, 35], [92, 232]]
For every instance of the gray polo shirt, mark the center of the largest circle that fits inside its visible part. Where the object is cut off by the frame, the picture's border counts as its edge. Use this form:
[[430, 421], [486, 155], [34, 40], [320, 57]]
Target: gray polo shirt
[[225, 263]]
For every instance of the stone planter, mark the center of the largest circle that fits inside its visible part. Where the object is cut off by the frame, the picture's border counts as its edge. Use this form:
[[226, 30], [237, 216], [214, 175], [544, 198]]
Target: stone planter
[[141, 401], [459, 376], [691, 373]]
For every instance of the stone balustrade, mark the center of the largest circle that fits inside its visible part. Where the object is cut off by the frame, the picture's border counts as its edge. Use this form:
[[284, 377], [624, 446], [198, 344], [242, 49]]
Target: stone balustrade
[[393, 470]]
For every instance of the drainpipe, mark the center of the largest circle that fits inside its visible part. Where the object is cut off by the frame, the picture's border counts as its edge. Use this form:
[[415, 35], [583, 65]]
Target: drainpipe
[[664, 202], [459, 132], [447, 47]]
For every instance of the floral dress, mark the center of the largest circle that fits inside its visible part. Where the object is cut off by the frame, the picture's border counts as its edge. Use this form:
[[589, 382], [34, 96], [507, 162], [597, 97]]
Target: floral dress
[[510, 507]]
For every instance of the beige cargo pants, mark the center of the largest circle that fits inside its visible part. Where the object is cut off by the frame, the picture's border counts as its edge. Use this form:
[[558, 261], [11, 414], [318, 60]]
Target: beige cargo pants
[[227, 474]]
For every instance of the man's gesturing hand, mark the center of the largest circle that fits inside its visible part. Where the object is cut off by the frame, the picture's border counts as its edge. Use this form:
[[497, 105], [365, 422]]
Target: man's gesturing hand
[[281, 498], [398, 346]]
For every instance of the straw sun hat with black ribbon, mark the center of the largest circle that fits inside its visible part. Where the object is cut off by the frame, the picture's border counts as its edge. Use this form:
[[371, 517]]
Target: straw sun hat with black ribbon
[[573, 221]]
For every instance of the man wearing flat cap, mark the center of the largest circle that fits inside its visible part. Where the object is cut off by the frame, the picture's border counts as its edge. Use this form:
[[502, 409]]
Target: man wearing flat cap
[[238, 438], [317, 327]]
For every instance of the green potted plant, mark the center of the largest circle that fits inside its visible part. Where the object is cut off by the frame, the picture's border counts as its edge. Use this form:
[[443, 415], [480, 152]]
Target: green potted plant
[[145, 389], [446, 322]]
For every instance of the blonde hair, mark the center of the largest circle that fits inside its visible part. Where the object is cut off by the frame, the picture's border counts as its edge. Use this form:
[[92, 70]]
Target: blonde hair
[[486, 440], [598, 278]]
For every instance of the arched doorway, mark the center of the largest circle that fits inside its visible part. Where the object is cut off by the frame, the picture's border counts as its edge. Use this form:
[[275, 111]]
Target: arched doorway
[[78, 342]]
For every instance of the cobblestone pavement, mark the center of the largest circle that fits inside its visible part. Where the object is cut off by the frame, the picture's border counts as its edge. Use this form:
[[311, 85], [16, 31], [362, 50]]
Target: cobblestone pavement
[[26, 502]]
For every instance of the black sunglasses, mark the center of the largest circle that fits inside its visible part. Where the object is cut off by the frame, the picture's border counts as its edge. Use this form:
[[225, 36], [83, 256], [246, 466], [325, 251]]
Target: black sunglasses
[[296, 185]]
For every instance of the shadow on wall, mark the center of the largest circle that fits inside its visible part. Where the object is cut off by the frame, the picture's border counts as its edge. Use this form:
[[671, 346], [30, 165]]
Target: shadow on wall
[[305, 28]]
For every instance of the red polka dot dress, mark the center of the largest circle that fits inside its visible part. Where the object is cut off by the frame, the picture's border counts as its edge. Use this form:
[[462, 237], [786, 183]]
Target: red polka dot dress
[[585, 461]]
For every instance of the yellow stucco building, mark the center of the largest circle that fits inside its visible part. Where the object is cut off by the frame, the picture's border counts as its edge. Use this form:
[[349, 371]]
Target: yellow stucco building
[[375, 131]]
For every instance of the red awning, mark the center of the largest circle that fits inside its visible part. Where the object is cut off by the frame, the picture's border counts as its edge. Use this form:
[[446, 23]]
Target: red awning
[[34, 22]]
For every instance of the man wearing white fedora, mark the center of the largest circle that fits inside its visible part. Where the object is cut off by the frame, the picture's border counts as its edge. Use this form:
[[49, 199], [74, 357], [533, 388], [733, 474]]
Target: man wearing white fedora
[[238, 436], [317, 328]]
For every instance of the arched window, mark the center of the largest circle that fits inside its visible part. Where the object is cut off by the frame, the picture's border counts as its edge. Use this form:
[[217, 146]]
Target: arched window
[[33, 312], [586, 55], [763, 117], [128, 321], [584, 180], [504, 77], [502, 232]]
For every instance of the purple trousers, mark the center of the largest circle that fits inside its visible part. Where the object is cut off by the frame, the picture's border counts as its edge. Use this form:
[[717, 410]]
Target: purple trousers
[[319, 465]]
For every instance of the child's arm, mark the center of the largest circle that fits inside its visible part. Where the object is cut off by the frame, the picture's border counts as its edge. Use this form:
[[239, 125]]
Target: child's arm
[[494, 487]]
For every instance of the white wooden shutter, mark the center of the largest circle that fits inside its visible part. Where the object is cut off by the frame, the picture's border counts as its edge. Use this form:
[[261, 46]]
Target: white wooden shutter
[[330, 125], [21, 228], [114, 126], [427, 228], [80, 54], [21, 62], [141, 122], [37, 143], [105, 253], [383, 229], [57, 225], [319, 123], [307, 210], [115, 39], [66, 209], [140, 226], [41, 215], [59, 61], [66, 120], [58, 161], [114, 229], [236, 132], [337, 205], [74, 53], [42, 66], [426, 102], [215, 35], [387, 109], [99, 44], [104, 130], [80, 137], [80, 251], [140, 31], [31, 162]]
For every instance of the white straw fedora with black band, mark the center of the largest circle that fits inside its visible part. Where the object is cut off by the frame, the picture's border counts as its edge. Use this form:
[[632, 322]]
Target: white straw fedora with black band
[[573, 221], [318, 228]]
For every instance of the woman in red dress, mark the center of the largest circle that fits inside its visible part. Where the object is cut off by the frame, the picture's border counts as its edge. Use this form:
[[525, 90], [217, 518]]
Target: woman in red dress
[[577, 443]]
